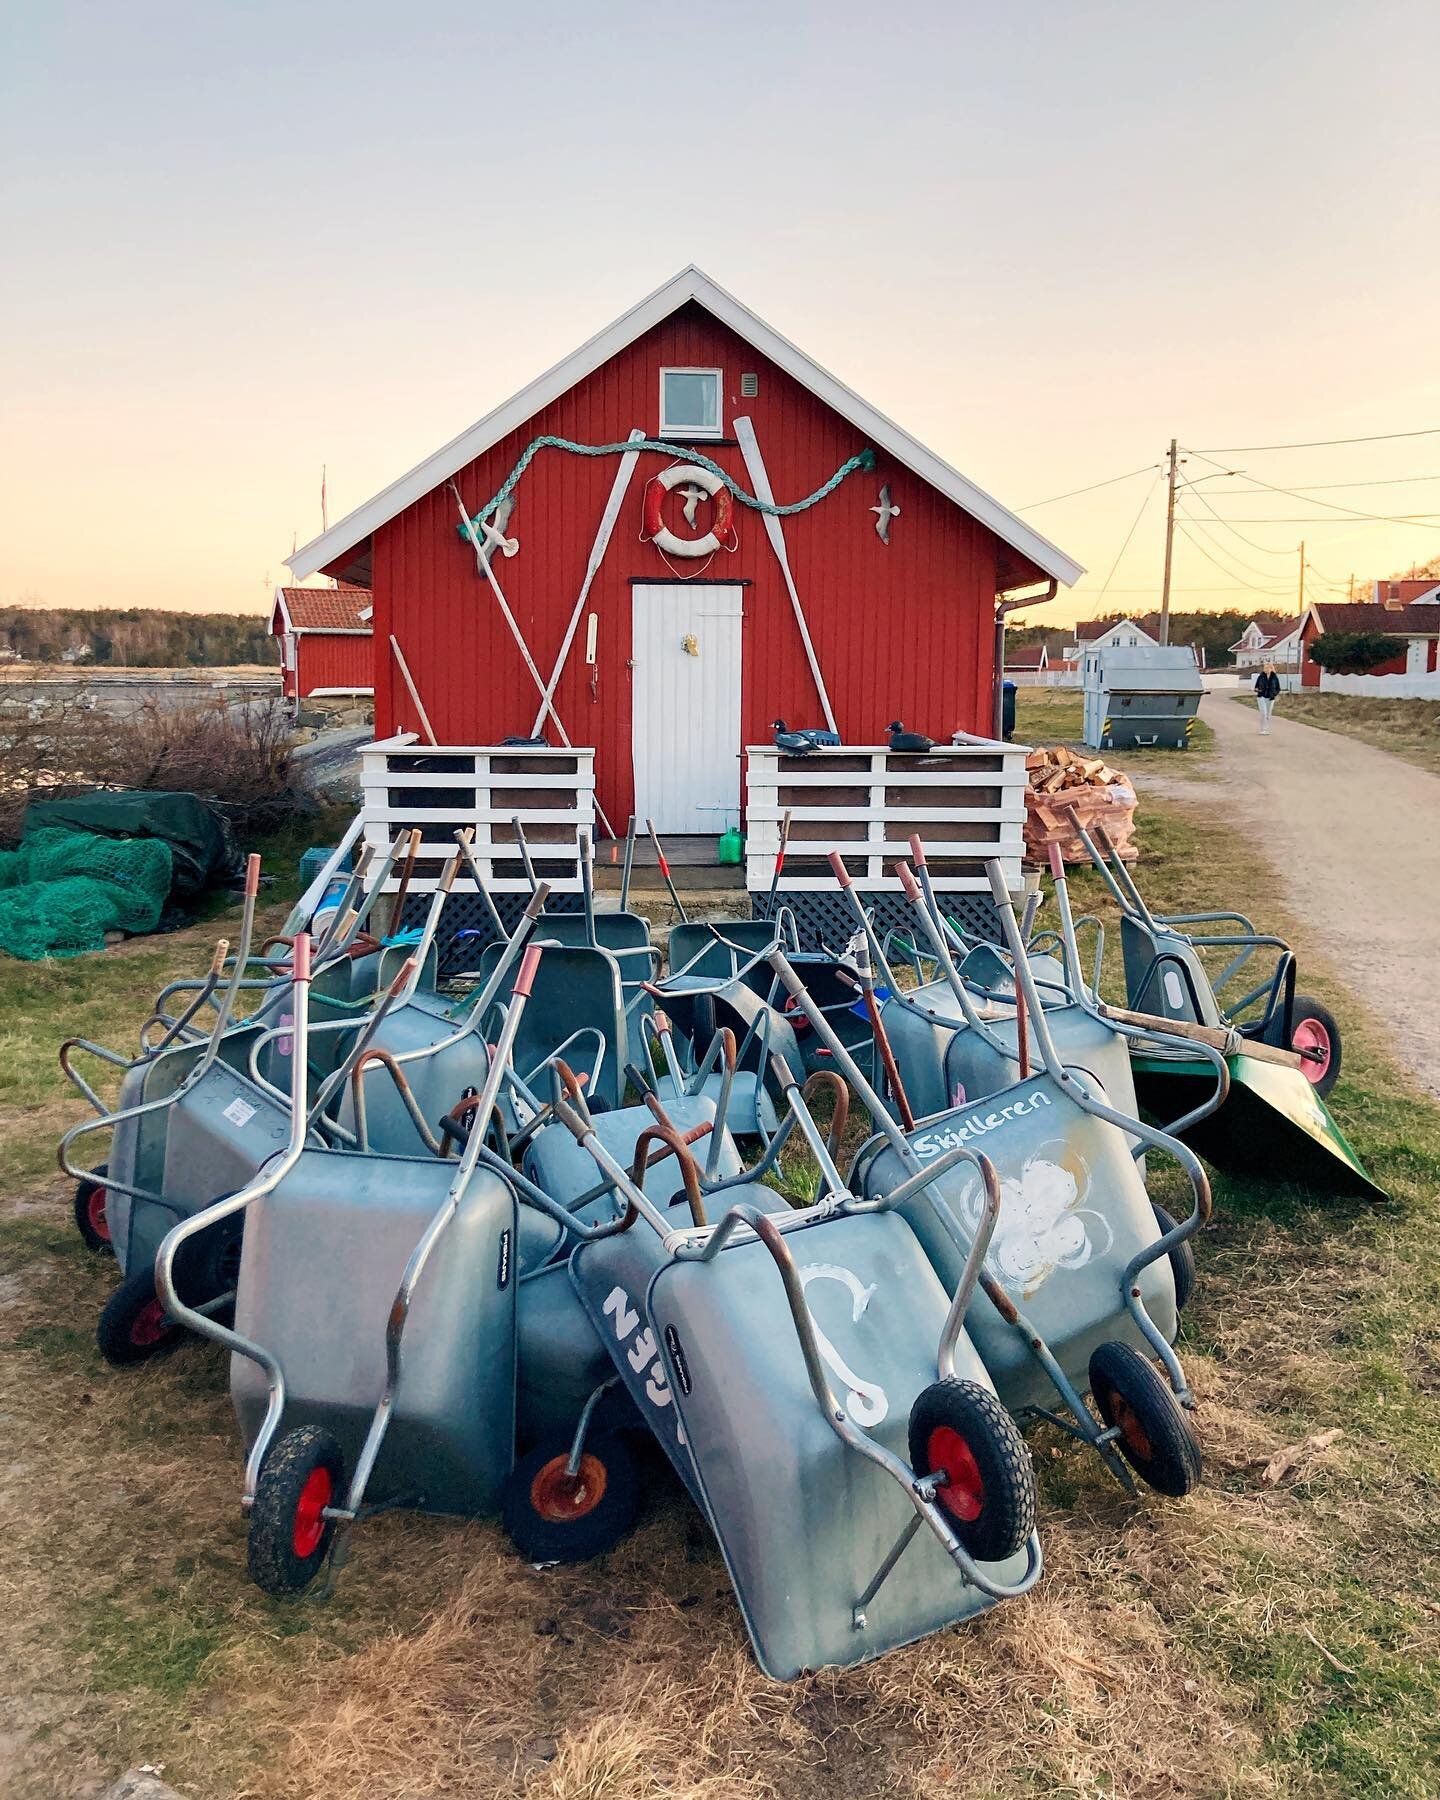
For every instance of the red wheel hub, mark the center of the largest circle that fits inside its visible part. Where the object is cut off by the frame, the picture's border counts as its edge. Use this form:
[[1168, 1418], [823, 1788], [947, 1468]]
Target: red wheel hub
[[1131, 1430], [149, 1326], [964, 1491], [1312, 1040], [560, 1498], [310, 1520], [95, 1202]]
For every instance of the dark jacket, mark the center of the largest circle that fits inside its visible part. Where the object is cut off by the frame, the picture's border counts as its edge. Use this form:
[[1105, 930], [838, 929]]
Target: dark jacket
[[1267, 686]]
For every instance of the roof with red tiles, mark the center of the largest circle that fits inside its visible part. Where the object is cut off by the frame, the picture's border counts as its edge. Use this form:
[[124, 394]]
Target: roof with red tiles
[[321, 609]]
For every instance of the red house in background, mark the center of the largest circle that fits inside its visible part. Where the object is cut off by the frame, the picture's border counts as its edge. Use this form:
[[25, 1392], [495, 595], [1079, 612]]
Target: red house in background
[[677, 621], [1417, 620], [324, 638]]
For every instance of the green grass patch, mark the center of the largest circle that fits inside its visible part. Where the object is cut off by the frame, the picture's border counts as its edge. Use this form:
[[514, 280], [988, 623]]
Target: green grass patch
[[1409, 729]]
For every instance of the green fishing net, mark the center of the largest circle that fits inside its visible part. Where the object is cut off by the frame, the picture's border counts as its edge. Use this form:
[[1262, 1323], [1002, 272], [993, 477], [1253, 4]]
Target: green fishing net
[[62, 890]]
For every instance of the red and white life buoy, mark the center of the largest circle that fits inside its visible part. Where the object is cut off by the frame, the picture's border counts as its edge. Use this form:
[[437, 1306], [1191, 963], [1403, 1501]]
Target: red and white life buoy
[[657, 532]]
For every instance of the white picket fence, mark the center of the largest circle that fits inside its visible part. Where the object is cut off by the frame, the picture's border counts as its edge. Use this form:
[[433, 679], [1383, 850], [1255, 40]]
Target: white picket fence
[[1383, 687]]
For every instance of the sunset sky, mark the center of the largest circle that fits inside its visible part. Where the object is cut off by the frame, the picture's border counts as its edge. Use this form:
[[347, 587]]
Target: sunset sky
[[245, 240]]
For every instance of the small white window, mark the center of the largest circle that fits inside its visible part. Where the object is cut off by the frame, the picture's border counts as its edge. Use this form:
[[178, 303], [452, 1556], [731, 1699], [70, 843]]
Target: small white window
[[690, 402]]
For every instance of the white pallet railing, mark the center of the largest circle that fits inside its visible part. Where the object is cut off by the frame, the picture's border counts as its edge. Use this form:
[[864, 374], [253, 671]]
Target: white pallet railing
[[441, 789], [966, 802]]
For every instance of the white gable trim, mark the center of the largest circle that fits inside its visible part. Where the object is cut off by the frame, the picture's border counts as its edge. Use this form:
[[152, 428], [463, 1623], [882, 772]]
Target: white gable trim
[[281, 612], [689, 284]]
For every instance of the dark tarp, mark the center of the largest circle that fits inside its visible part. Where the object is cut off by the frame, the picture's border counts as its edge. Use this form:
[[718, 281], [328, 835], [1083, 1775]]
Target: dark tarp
[[200, 842]]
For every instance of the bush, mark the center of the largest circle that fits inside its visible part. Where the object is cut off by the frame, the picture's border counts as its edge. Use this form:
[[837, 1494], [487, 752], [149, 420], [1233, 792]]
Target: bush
[[1353, 652], [238, 757]]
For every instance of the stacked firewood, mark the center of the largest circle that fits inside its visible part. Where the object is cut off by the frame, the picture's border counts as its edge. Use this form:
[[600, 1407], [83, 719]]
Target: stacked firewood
[[1068, 789]]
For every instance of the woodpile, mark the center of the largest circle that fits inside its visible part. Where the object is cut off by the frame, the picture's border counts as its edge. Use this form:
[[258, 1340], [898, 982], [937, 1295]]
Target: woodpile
[[1066, 789]]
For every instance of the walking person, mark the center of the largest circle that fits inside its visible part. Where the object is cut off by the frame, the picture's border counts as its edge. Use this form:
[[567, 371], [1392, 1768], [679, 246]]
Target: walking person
[[1267, 688]]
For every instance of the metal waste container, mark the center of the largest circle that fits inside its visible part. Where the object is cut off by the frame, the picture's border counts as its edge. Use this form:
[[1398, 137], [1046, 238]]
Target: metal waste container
[[1141, 695], [1007, 711]]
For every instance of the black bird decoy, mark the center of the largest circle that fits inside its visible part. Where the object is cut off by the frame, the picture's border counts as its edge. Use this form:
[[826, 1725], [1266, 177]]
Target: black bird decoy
[[793, 743], [902, 740]]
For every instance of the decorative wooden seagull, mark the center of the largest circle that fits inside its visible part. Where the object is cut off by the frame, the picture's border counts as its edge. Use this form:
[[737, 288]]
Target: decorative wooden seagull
[[885, 512], [492, 532], [692, 496]]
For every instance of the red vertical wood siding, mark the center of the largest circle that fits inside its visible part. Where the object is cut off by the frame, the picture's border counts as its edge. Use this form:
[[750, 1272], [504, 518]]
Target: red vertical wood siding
[[333, 660], [900, 631]]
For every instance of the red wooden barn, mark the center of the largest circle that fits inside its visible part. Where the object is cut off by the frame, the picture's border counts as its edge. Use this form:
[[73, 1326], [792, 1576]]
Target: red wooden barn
[[691, 636], [324, 638]]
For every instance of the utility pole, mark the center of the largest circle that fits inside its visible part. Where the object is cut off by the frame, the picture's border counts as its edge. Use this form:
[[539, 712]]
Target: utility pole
[[1302, 578], [1169, 551], [1352, 587]]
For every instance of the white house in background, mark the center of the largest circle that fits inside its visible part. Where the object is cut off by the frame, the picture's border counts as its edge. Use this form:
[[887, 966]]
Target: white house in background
[[1270, 637], [1106, 634]]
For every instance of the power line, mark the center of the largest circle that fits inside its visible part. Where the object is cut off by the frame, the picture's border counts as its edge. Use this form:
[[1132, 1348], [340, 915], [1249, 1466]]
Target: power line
[[1320, 487], [1265, 549], [1271, 593], [1421, 519], [1086, 490], [1131, 532], [1249, 568], [1379, 437]]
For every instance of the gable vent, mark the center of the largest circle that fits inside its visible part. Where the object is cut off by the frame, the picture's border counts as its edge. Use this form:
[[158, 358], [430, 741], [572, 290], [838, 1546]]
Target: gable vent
[[749, 386]]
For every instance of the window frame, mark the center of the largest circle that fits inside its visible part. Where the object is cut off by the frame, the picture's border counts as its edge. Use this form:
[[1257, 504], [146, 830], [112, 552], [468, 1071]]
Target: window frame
[[694, 431]]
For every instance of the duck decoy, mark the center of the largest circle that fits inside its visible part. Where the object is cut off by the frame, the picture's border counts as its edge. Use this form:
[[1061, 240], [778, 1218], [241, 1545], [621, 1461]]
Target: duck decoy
[[803, 741], [903, 740]]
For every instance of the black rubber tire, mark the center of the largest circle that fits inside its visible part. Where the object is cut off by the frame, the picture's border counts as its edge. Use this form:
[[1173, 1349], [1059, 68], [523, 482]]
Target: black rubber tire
[[1155, 1436], [1182, 1257], [1006, 1475], [542, 1537], [278, 1561], [1307, 1007], [98, 1241], [133, 1326]]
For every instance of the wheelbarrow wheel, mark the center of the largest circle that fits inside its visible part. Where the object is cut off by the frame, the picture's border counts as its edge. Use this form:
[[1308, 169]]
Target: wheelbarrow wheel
[[1313, 1030], [959, 1429], [553, 1517], [91, 1220], [134, 1326], [289, 1533], [1182, 1257], [1155, 1437]]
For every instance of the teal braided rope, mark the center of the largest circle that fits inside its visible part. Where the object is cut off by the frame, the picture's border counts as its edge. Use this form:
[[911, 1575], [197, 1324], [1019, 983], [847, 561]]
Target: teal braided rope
[[863, 459]]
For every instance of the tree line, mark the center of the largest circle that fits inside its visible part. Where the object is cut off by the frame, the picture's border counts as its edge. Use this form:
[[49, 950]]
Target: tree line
[[135, 637]]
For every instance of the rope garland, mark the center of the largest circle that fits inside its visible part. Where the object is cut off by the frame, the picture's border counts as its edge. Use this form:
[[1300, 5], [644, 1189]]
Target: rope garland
[[863, 459]]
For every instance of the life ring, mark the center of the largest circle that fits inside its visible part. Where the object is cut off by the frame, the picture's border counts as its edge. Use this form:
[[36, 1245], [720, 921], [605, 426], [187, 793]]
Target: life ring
[[658, 533]]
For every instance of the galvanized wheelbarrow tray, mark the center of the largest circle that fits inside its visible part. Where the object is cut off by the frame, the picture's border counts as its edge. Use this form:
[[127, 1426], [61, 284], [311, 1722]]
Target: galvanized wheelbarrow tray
[[1274, 1123], [1165, 973], [1082, 1286], [386, 1311], [731, 1337]]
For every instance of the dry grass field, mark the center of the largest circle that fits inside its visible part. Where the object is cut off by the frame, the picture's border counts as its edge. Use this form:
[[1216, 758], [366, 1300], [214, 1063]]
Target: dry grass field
[[1255, 1640], [1406, 728]]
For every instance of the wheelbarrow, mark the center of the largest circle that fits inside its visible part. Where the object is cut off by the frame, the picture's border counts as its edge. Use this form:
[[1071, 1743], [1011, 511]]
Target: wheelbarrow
[[1081, 1287], [1165, 973], [732, 1339], [386, 1311], [1283, 1059]]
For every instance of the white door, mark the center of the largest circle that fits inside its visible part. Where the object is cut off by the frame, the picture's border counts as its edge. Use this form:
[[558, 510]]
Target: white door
[[685, 705]]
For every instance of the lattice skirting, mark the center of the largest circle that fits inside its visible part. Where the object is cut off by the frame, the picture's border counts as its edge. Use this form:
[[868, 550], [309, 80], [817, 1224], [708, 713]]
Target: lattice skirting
[[827, 916]]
